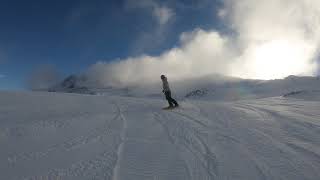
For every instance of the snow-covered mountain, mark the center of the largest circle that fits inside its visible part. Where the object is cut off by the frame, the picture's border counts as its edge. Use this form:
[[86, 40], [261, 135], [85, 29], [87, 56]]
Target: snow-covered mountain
[[237, 89], [216, 87], [72, 84]]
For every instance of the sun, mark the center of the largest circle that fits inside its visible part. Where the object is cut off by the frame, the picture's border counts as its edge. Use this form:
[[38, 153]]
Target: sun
[[278, 59]]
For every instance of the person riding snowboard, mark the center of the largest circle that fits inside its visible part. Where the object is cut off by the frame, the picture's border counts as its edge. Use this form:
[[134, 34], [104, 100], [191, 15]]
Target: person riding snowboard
[[166, 90]]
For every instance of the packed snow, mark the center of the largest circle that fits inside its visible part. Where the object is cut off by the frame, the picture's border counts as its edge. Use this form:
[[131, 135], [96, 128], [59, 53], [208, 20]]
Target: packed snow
[[57, 136]]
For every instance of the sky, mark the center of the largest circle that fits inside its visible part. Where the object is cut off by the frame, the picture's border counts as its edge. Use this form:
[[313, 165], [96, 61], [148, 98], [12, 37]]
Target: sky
[[127, 42]]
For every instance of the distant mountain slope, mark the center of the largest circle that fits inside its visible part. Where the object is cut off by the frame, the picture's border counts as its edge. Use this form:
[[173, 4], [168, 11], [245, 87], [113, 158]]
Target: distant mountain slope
[[247, 89], [215, 87], [72, 84]]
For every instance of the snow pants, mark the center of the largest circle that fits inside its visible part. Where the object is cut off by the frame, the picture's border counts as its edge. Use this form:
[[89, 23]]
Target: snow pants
[[171, 101]]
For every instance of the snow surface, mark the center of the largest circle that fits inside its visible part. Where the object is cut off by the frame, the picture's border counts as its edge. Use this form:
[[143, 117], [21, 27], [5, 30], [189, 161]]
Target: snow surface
[[52, 136]]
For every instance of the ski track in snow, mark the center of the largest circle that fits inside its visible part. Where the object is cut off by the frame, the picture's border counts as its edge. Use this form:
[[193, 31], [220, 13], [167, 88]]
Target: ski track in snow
[[118, 138]]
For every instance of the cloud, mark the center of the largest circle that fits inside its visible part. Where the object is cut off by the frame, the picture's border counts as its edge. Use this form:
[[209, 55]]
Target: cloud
[[271, 39], [195, 57], [276, 38], [151, 38], [161, 13]]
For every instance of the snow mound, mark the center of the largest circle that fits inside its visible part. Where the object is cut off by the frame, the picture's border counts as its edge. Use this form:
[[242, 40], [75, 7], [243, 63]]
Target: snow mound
[[305, 95], [198, 93]]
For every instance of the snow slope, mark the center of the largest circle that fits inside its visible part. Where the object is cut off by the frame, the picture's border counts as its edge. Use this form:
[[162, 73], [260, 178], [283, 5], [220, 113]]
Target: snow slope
[[50, 136]]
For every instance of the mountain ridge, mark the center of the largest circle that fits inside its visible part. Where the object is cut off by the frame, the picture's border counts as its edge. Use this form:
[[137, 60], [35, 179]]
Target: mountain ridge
[[216, 87]]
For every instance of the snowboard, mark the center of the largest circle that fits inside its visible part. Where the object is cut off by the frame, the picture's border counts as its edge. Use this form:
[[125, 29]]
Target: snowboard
[[169, 108]]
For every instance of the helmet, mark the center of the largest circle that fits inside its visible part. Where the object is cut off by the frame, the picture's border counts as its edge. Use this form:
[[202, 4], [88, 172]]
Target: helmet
[[163, 76]]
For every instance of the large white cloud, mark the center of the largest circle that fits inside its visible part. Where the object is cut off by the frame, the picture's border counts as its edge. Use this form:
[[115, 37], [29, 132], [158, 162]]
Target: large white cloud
[[274, 39], [277, 37], [195, 57]]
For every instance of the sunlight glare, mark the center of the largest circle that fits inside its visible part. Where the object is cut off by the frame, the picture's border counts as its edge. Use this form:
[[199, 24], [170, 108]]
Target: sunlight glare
[[278, 59]]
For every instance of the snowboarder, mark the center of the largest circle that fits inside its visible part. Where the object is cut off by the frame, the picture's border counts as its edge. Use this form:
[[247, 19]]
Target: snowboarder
[[166, 90]]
